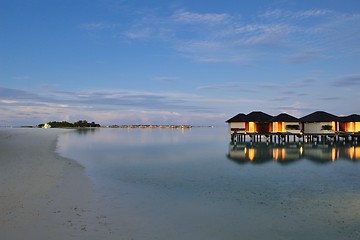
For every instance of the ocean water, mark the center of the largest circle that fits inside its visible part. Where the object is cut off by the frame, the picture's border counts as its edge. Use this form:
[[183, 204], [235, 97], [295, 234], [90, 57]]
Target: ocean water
[[195, 184]]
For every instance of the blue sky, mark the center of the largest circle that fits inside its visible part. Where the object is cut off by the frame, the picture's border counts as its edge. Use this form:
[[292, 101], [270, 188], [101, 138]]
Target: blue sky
[[176, 62]]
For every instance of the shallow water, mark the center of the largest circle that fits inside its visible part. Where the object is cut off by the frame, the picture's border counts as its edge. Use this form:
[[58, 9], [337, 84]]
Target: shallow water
[[194, 184]]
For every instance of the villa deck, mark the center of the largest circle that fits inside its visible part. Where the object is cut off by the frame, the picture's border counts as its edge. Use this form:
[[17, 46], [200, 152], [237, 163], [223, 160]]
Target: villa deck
[[292, 137]]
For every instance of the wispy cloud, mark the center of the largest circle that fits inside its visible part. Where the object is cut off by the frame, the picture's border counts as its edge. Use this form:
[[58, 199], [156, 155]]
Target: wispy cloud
[[166, 79], [140, 33], [262, 34], [8, 101], [280, 13], [297, 109], [200, 18], [14, 94], [330, 98], [299, 36], [312, 13], [306, 82], [305, 57], [71, 103], [231, 86], [270, 86], [347, 81]]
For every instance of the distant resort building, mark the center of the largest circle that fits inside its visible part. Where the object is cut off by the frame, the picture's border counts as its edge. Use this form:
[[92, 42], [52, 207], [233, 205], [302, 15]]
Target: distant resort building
[[317, 126], [46, 125]]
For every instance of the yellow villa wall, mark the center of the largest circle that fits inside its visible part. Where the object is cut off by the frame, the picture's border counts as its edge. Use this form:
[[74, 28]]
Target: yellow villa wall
[[353, 126], [281, 127], [278, 127], [251, 127]]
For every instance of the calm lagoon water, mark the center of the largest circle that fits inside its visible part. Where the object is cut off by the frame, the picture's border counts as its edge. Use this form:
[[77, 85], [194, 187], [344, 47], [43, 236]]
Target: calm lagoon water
[[194, 184]]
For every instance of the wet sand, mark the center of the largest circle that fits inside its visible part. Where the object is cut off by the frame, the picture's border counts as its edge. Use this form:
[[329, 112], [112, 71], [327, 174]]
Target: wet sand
[[42, 195]]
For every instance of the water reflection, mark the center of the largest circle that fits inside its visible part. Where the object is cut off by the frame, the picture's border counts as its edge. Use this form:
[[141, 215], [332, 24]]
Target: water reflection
[[258, 153], [84, 131]]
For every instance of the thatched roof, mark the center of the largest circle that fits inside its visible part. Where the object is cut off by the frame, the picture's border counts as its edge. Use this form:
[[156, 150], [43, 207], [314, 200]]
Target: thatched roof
[[284, 117], [258, 116], [241, 117], [350, 118], [255, 116], [319, 116]]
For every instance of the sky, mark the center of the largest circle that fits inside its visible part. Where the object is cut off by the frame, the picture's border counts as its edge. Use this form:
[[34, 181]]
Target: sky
[[176, 62]]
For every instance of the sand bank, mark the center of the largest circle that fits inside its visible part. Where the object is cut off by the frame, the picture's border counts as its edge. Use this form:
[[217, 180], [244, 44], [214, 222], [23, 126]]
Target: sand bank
[[42, 195]]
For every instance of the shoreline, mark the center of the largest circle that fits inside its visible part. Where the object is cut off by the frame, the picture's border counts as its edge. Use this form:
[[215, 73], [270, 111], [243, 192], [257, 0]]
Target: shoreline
[[44, 195]]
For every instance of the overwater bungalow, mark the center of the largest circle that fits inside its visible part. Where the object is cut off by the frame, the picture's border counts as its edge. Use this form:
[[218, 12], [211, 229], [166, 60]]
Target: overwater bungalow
[[254, 122], [285, 123], [253, 125], [350, 124], [317, 126], [258, 122], [237, 123], [319, 122]]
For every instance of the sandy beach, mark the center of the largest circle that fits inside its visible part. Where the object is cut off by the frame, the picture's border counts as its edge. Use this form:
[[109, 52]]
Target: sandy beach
[[42, 195]]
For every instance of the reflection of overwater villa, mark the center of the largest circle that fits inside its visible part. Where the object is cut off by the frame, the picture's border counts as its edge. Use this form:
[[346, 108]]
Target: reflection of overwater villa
[[258, 153], [352, 152], [318, 126]]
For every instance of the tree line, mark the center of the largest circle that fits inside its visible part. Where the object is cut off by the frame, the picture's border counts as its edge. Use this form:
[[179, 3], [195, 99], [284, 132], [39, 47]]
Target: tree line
[[64, 124]]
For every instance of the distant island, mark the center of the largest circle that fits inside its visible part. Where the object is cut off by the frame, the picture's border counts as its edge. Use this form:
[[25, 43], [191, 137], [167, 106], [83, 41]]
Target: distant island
[[64, 124], [86, 124]]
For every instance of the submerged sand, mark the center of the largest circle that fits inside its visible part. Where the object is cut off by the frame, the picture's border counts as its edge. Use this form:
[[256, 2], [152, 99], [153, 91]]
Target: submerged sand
[[46, 196], [43, 195]]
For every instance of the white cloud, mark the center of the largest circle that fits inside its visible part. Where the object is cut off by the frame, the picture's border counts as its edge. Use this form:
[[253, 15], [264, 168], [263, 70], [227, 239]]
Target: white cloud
[[98, 26], [141, 33], [200, 18], [280, 13], [312, 13], [8, 101], [105, 106], [300, 36]]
